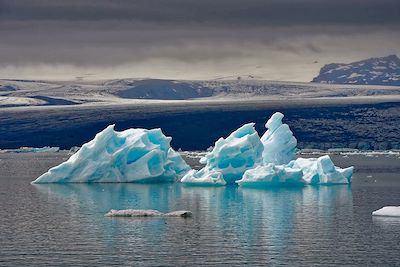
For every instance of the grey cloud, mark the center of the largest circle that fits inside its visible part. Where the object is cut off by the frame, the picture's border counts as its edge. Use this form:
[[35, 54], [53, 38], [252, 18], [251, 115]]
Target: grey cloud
[[210, 35], [221, 12]]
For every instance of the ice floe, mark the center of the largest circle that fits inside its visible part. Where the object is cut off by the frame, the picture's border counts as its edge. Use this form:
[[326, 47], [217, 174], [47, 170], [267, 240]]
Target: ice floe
[[147, 213], [388, 211]]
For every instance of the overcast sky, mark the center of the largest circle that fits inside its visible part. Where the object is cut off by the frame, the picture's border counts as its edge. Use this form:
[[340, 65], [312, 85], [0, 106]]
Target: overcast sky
[[191, 39]]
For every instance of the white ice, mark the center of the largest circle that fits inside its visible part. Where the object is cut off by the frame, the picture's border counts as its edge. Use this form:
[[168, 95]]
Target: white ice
[[133, 155], [389, 211], [147, 213], [322, 171], [203, 177], [272, 175]]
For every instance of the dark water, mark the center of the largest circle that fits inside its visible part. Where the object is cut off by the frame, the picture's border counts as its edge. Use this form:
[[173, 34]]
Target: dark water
[[63, 225], [198, 126]]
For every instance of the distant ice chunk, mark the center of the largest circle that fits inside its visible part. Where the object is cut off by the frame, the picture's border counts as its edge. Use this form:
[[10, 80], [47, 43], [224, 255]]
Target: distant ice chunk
[[229, 159], [279, 142], [133, 155], [272, 175], [24, 149], [203, 177], [147, 213], [46, 149], [389, 211], [322, 171]]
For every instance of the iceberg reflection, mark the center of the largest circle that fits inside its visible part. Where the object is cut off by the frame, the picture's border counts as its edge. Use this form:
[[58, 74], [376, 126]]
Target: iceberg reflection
[[245, 220]]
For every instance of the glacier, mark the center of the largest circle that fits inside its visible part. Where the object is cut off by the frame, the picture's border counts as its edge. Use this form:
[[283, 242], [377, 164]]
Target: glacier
[[246, 159], [133, 155]]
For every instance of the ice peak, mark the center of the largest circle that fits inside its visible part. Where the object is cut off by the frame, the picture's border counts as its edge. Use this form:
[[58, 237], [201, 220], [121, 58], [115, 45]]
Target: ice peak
[[274, 122], [279, 142]]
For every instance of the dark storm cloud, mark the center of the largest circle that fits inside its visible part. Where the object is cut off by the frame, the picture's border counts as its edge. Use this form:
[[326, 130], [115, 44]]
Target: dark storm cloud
[[219, 12], [188, 36]]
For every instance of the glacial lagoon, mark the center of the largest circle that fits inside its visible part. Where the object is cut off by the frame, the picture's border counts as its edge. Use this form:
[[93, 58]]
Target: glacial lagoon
[[64, 224]]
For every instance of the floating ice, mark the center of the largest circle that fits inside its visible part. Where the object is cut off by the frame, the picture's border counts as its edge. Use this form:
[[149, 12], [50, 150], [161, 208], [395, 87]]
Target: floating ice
[[140, 155], [229, 159], [279, 142], [147, 213], [32, 150], [133, 213], [203, 177], [389, 211], [246, 159], [322, 171], [133, 155], [271, 175]]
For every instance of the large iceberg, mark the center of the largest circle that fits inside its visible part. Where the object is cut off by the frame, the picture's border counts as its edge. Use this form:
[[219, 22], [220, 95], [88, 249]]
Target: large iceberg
[[229, 159], [248, 160], [133, 155]]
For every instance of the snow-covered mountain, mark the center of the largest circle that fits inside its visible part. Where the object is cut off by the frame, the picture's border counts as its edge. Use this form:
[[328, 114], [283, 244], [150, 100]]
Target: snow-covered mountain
[[373, 71]]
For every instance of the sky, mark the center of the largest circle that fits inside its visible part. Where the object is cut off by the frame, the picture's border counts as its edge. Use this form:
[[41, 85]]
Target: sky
[[285, 40]]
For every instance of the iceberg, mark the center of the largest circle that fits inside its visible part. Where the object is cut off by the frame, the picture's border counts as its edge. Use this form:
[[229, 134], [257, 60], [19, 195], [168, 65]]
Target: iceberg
[[322, 171], [229, 159], [250, 161], [133, 155], [388, 211]]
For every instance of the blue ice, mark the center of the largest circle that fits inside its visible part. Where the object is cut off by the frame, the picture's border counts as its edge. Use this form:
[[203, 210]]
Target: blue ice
[[133, 155]]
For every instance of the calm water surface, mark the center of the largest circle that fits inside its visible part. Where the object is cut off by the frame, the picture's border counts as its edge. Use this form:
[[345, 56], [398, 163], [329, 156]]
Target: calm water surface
[[54, 225]]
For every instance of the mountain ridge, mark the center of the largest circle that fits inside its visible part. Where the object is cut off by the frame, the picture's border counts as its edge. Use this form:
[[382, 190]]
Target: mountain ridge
[[371, 71]]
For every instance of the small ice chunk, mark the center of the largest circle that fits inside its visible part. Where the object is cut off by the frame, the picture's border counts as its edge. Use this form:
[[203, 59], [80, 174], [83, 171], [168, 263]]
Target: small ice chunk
[[388, 211], [322, 171], [147, 213], [203, 177], [133, 213], [271, 175]]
